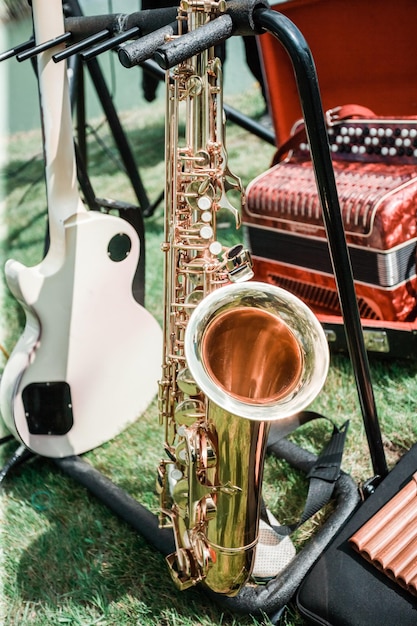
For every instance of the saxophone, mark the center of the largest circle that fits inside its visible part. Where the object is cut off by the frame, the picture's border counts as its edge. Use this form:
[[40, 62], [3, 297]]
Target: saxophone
[[236, 354]]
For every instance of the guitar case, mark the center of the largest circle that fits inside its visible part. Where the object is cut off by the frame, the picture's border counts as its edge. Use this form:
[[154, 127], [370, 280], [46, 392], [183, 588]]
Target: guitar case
[[342, 588]]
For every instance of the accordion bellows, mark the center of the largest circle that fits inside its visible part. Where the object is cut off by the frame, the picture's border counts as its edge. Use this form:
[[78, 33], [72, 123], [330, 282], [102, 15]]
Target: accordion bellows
[[378, 202], [378, 207], [388, 540]]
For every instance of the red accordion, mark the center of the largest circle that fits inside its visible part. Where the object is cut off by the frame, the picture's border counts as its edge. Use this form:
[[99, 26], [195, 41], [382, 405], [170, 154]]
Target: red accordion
[[376, 175], [375, 164]]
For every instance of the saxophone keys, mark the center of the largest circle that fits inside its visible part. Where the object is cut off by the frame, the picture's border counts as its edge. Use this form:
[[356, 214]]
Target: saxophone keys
[[215, 248], [189, 411], [194, 86], [200, 193], [202, 158], [208, 509], [186, 382], [201, 550], [194, 297], [206, 232], [204, 203], [180, 493], [206, 216], [204, 186], [183, 569], [239, 264]]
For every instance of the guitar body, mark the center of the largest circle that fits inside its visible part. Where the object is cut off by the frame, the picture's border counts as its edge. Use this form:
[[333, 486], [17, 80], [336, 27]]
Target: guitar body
[[88, 361]]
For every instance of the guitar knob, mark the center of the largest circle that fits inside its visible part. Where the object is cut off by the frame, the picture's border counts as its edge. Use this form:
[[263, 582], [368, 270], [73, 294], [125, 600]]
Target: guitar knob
[[119, 247]]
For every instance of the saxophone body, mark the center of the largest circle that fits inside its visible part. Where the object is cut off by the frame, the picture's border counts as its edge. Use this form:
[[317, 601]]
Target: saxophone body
[[236, 354]]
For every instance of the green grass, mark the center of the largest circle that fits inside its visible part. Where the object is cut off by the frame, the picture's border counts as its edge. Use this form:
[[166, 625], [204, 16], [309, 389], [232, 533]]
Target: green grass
[[66, 559]]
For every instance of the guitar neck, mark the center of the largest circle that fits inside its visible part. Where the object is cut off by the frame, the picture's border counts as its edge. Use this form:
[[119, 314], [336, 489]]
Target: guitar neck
[[60, 165]]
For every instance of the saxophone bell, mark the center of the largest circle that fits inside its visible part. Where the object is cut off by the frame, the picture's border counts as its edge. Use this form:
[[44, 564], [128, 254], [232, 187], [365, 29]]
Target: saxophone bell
[[257, 351]]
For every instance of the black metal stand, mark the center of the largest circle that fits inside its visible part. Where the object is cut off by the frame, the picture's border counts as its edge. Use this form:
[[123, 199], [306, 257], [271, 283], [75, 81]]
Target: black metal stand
[[73, 9], [19, 456], [259, 600], [296, 46]]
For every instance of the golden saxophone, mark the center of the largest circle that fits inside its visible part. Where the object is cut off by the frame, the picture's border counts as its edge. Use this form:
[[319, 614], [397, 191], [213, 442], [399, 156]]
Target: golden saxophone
[[236, 354]]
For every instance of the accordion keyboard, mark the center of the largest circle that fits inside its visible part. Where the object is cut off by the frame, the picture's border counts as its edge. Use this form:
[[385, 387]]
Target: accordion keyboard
[[371, 140]]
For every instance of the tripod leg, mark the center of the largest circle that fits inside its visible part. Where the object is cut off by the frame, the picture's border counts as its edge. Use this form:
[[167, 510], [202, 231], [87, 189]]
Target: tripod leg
[[73, 8], [118, 133]]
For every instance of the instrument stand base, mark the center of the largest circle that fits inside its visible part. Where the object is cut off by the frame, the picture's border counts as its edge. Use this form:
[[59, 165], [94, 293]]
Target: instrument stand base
[[20, 456], [256, 600]]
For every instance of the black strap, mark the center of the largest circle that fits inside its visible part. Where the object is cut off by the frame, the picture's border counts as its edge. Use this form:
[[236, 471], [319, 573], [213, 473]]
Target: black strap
[[323, 474]]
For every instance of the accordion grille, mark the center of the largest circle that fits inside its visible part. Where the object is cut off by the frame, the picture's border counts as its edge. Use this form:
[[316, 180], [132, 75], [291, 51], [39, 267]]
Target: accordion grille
[[320, 298]]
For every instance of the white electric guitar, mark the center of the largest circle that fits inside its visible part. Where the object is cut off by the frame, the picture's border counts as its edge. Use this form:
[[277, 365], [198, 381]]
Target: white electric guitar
[[88, 361]]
